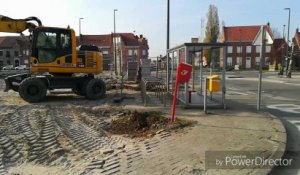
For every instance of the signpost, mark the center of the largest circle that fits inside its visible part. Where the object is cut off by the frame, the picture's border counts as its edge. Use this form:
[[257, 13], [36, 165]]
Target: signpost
[[261, 39], [183, 75]]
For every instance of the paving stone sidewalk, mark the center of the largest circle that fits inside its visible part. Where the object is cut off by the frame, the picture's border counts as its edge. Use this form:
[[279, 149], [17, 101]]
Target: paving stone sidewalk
[[184, 152]]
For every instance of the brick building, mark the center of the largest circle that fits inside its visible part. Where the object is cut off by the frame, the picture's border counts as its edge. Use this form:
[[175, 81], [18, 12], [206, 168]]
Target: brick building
[[14, 50], [296, 42], [240, 50], [129, 47]]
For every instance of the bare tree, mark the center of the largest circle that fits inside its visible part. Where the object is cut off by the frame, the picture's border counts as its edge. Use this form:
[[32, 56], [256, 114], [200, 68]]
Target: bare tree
[[276, 33]]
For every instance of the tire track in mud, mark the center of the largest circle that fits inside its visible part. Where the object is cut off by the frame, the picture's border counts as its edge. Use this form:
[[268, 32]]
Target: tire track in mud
[[9, 154], [35, 134], [84, 133], [47, 150], [74, 139], [2, 170]]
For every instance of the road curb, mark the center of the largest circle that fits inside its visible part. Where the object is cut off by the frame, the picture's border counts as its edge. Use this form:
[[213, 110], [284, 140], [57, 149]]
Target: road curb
[[281, 149]]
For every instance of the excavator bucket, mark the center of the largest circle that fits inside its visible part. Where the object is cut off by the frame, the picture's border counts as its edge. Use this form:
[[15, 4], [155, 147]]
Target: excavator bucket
[[13, 81]]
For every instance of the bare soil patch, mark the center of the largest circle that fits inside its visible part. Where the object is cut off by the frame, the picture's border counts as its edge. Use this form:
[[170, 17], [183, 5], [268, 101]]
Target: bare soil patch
[[144, 124]]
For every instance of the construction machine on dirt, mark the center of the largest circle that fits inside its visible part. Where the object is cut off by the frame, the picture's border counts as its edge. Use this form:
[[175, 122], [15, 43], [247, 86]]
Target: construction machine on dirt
[[55, 62]]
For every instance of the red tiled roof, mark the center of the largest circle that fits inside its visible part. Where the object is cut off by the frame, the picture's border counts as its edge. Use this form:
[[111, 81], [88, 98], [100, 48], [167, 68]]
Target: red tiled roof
[[129, 39], [97, 40], [242, 33]]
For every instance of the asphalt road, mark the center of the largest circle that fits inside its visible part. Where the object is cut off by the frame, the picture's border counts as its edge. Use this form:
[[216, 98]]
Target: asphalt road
[[279, 97]]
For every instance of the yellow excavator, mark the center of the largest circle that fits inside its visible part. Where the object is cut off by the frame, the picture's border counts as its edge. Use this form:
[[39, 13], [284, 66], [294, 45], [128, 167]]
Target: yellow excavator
[[55, 62]]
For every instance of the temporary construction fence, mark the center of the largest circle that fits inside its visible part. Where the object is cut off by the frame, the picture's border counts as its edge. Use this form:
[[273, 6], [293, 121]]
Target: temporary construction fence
[[152, 86]]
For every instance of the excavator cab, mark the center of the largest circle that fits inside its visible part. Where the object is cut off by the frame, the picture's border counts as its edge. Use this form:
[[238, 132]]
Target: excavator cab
[[49, 44], [54, 51]]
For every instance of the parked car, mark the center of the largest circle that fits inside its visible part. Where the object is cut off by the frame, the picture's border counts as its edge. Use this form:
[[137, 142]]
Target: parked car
[[22, 67], [8, 67]]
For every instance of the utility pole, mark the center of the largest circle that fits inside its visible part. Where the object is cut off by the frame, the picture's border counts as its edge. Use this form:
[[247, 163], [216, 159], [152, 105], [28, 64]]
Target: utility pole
[[80, 29], [283, 33], [168, 25], [115, 44], [288, 41], [263, 40], [168, 44], [289, 71]]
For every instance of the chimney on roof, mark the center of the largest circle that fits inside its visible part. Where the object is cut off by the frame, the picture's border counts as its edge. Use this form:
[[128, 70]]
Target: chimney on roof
[[268, 24], [195, 40], [141, 36], [297, 30]]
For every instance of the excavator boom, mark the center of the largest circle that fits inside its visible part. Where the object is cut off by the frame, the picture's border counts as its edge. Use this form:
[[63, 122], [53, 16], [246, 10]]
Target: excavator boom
[[18, 25]]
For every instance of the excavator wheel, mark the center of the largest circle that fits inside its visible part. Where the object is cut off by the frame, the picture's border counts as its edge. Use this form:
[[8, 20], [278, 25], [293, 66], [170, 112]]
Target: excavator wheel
[[32, 89], [95, 89]]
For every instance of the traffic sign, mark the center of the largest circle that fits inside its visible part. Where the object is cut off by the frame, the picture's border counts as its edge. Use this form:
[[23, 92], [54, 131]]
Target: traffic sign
[[183, 76]]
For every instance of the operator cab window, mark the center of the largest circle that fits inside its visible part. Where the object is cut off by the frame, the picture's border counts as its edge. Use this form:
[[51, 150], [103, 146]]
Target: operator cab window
[[65, 44], [46, 45]]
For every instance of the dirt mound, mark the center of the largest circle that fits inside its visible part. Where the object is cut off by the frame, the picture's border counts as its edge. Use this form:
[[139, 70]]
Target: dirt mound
[[143, 124]]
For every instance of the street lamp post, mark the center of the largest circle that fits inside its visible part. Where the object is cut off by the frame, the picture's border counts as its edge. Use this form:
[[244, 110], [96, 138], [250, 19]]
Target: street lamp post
[[288, 41], [283, 33], [115, 44], [80, 29], [168, 44], [288, 34]]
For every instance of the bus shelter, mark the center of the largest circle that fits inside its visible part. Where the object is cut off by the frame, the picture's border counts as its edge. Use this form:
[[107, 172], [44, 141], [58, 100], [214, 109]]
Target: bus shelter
[[192, 94]]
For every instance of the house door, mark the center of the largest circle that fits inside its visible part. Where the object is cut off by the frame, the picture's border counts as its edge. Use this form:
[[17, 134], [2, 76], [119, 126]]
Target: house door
[[248, 63], [17, 63]]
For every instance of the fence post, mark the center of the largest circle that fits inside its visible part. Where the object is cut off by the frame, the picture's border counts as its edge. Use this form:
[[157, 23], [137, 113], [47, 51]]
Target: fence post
[[205, 96]]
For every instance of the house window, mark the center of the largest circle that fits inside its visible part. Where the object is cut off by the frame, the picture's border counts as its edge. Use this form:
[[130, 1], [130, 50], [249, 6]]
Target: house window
[[8, 62], [229, 49], [27, 52], [7, 54], [268, 49], [135, 51], [130, 52], [267, 61], [1, 53], [144, 52], [1, 63], [248, 49], [229, 61], [239, 49], [16, 53], [105, 52], [257, 49], [257, 61], [239, 61]]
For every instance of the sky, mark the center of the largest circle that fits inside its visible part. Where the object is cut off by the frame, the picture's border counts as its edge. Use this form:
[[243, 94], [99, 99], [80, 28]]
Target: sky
[[149, 17]]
